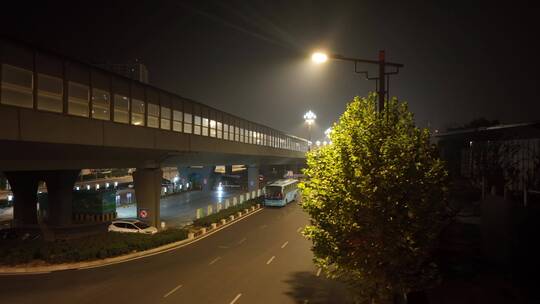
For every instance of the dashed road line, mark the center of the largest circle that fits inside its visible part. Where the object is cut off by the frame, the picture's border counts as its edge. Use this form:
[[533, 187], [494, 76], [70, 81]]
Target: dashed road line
[[263, 226], [284, 244], [214, 260], [270, 260], [241, 241], [236, 298], [299, 229], [172, 291], [319, 272]]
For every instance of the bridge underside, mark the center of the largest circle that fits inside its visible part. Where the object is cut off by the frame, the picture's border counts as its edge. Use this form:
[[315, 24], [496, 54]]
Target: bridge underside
[[17, 156]]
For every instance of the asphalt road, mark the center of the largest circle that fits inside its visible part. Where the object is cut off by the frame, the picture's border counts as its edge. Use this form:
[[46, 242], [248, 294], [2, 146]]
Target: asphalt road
[[261, 259], [181, 209]]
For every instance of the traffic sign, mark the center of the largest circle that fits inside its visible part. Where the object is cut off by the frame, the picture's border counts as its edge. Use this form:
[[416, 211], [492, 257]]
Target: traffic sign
[[143, 213]]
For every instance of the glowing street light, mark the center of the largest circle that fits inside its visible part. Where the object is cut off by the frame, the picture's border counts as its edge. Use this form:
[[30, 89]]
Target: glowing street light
[[327, 132], [319, 57], [310, 117], [382, 78]]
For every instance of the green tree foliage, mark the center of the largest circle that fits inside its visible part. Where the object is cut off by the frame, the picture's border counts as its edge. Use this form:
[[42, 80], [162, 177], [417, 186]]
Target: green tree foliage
[[376, 198]]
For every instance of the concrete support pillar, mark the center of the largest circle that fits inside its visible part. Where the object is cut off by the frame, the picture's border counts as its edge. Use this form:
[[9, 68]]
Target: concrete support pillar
[[24, 185], [253, 178], [60, 184], [147, 184]]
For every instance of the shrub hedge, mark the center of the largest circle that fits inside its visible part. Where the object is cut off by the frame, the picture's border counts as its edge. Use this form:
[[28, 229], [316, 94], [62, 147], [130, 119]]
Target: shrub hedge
[[85, 249], [225, 213]]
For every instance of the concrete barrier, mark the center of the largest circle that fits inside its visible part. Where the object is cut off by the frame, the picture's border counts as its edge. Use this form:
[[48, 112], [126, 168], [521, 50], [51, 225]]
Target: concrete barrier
[[203, 231], [213, 225], [258, 206], [223, 221], [231, 218], [191, 236], [239, 213]]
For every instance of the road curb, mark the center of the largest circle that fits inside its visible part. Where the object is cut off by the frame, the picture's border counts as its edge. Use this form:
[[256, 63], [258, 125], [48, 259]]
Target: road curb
[[126, 257]]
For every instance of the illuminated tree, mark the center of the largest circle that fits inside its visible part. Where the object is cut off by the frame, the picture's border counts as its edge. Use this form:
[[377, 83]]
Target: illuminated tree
[[376, 198]]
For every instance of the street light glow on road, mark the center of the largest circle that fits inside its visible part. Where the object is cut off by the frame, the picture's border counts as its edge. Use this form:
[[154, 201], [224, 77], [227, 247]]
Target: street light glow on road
[[319, 57]]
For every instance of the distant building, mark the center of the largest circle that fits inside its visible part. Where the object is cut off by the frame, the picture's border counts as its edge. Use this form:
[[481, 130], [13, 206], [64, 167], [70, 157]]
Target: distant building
[[504, 156], [136, 71]]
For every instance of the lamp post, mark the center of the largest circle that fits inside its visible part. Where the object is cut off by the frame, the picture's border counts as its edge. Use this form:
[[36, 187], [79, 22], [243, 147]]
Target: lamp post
[[383, 80], [309, 118]]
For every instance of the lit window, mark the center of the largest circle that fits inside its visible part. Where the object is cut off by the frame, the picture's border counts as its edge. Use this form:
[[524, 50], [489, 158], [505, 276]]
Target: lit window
[[78, 99], [197, 125], [219, 130], [187, 123], [212, 128], [121, 108], [100, 104], [137, 112], [17, 87], [153, 115], [165, 118], [226, 131], [177, 121], [50, 93], [205, 126]]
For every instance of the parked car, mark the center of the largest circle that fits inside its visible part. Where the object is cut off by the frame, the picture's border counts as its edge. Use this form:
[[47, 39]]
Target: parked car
[[131, 226]]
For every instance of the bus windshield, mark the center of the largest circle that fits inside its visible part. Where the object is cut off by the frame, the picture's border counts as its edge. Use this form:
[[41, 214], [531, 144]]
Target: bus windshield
[[273, 192]]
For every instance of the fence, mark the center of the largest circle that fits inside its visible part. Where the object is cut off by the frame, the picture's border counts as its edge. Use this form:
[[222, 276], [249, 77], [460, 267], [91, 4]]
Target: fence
[[229, 202]]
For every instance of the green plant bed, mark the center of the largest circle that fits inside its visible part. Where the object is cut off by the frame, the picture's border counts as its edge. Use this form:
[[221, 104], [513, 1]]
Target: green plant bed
[[101, 246], [225, 213]]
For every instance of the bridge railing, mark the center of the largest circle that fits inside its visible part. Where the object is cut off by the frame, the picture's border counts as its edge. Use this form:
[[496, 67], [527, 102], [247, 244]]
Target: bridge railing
[[44, 81]]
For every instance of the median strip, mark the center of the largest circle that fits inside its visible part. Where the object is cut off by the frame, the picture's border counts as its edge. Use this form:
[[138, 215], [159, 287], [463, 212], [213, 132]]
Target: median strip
[[27, 270]]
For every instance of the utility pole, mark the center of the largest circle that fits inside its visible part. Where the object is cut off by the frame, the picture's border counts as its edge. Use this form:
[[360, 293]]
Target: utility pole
[[382, 82]]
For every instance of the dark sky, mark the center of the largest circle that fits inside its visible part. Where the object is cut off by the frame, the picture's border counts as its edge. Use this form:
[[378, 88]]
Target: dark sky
[[462, 61]]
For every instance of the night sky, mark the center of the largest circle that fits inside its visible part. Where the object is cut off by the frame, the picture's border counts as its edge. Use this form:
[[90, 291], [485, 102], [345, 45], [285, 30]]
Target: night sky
[[462, 61]]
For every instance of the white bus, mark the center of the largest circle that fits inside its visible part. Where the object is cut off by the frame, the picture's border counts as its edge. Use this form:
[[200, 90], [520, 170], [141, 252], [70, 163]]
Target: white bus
[[281, 192]]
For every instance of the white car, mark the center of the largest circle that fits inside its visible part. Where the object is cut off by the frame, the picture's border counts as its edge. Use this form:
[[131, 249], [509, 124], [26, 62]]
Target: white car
[[131, 226]]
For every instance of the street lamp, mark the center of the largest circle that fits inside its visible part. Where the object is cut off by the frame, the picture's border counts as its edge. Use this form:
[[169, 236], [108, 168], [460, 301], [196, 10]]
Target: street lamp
[[327, 132], [310, 117], [383, 80], [319, 57]]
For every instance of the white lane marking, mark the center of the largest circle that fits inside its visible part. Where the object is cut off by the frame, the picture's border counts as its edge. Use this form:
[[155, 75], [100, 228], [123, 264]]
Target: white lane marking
[[223, 247], [174, 247], [319, 272], [284, 244], [271, 259], [236, 298], [299, 229], [241, 241], [263, 226], [172, 291], [214, 260]]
